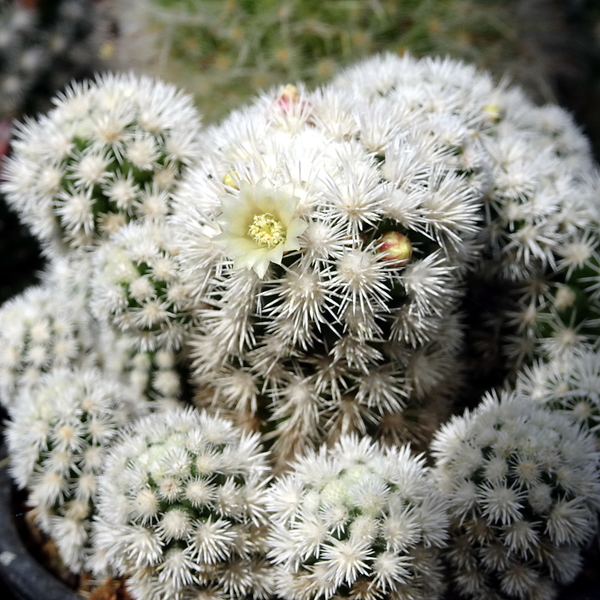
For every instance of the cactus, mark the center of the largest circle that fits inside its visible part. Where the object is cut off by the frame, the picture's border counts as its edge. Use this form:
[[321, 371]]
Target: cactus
[[109, 152], [325, 266], [523, 488], [40, 330], [539, 219], [328, 238], [57, 438], [357, 521], [182, 510], [570, 385], [137, 289]]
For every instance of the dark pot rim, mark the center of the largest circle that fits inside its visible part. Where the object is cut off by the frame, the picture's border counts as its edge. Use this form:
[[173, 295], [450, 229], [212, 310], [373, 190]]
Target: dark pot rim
[[25, 577]]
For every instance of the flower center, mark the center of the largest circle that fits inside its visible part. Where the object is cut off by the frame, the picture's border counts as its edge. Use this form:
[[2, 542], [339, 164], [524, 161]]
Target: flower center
[[266, 230]]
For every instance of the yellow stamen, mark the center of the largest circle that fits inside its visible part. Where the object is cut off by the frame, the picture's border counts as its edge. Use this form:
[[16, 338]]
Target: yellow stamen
[[266, 230]]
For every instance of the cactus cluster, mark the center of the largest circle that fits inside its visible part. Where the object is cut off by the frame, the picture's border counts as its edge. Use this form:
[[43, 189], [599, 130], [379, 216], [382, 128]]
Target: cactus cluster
[[327, 276], [182, 509], [109, 152]]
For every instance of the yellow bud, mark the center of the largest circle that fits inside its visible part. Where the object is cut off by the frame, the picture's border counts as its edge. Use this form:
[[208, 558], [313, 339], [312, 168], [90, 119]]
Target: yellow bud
[[230, 180], [492, 112], [395, 247]]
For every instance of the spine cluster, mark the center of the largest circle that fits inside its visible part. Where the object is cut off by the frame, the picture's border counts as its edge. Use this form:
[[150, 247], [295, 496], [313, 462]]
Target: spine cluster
[[109, 152], [57, 437], [357, 521]]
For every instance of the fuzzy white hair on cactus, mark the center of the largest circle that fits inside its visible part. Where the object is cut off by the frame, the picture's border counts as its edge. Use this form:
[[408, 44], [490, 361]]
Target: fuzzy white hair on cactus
[[57, 438], [101, 158], [523, 490], [357, 519]]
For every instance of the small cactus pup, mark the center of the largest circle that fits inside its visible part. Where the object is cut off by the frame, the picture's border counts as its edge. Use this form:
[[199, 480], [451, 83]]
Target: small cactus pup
[[110, 152], [326, 237], [524, 492], [137, 290], [182, 509], [570, 385], [357, 521], [41, 329], [57, 438]]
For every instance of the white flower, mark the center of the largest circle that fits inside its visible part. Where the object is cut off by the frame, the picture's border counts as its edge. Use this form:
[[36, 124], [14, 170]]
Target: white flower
[[260, 225]]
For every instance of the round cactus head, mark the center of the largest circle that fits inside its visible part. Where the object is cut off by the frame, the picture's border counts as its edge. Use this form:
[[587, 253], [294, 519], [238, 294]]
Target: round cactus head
[[524, 494], [357, 521], [58, 436], [109, 152], [182, 509]]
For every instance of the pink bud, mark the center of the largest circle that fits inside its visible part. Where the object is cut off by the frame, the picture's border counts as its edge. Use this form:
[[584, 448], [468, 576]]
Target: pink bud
[[287, 97]]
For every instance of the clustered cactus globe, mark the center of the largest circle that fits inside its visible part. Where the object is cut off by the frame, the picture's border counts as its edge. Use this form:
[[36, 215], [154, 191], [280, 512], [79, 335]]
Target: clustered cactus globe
[[524, 494], [326, 275], [107, 153], [326, 237], [182, 508], [137, 289], [37, 334], [59, 433], [357, 521]]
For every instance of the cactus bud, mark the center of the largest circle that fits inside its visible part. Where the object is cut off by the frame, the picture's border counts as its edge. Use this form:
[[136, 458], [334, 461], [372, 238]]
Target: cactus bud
[[230, 180], [395, 247], [287, 97], [492, 112]]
